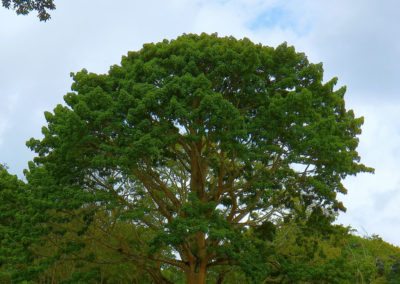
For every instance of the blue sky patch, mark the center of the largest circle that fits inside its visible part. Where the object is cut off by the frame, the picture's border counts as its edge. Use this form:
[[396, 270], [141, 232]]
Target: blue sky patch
[[277, 17]]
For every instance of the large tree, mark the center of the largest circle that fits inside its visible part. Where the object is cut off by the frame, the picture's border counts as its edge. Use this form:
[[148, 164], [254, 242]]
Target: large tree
[[24, 7], [201, 144]]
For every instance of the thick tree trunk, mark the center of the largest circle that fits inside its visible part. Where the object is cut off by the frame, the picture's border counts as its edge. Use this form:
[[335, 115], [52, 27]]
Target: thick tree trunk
[[197, 277]]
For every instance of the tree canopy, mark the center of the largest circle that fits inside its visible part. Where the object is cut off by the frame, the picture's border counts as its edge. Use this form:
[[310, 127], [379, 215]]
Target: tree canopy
[[16, 232], [24, 7], [190, 153]]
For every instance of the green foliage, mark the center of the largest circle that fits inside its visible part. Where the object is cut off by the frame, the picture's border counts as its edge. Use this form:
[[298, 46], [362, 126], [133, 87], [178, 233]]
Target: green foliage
[[199, 147], [330, 256], [24, 7], [16, 233]]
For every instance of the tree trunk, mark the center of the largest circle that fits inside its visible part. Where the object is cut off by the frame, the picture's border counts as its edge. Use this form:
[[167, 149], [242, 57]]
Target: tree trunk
[[196, 277]]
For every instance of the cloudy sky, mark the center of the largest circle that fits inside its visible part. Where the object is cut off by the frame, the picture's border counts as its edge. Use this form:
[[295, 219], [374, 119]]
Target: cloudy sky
[[358, 41]]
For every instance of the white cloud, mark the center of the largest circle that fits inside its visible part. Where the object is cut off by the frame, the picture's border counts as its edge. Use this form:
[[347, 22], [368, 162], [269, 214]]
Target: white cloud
[[8, 105], [372, 201]]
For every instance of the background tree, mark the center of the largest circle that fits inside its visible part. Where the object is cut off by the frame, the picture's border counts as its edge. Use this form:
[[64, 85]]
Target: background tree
[[24, 7], [17, 234], [199, 142]]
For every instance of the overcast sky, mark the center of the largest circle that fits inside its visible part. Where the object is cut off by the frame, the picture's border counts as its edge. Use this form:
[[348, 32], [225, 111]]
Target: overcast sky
[[357, 41]]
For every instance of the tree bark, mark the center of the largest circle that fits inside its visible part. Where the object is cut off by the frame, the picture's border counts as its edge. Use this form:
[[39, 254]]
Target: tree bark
[[198, 276]]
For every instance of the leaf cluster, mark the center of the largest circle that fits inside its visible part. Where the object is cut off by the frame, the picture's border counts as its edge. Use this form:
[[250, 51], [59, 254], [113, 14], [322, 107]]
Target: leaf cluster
[[24, 7]]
